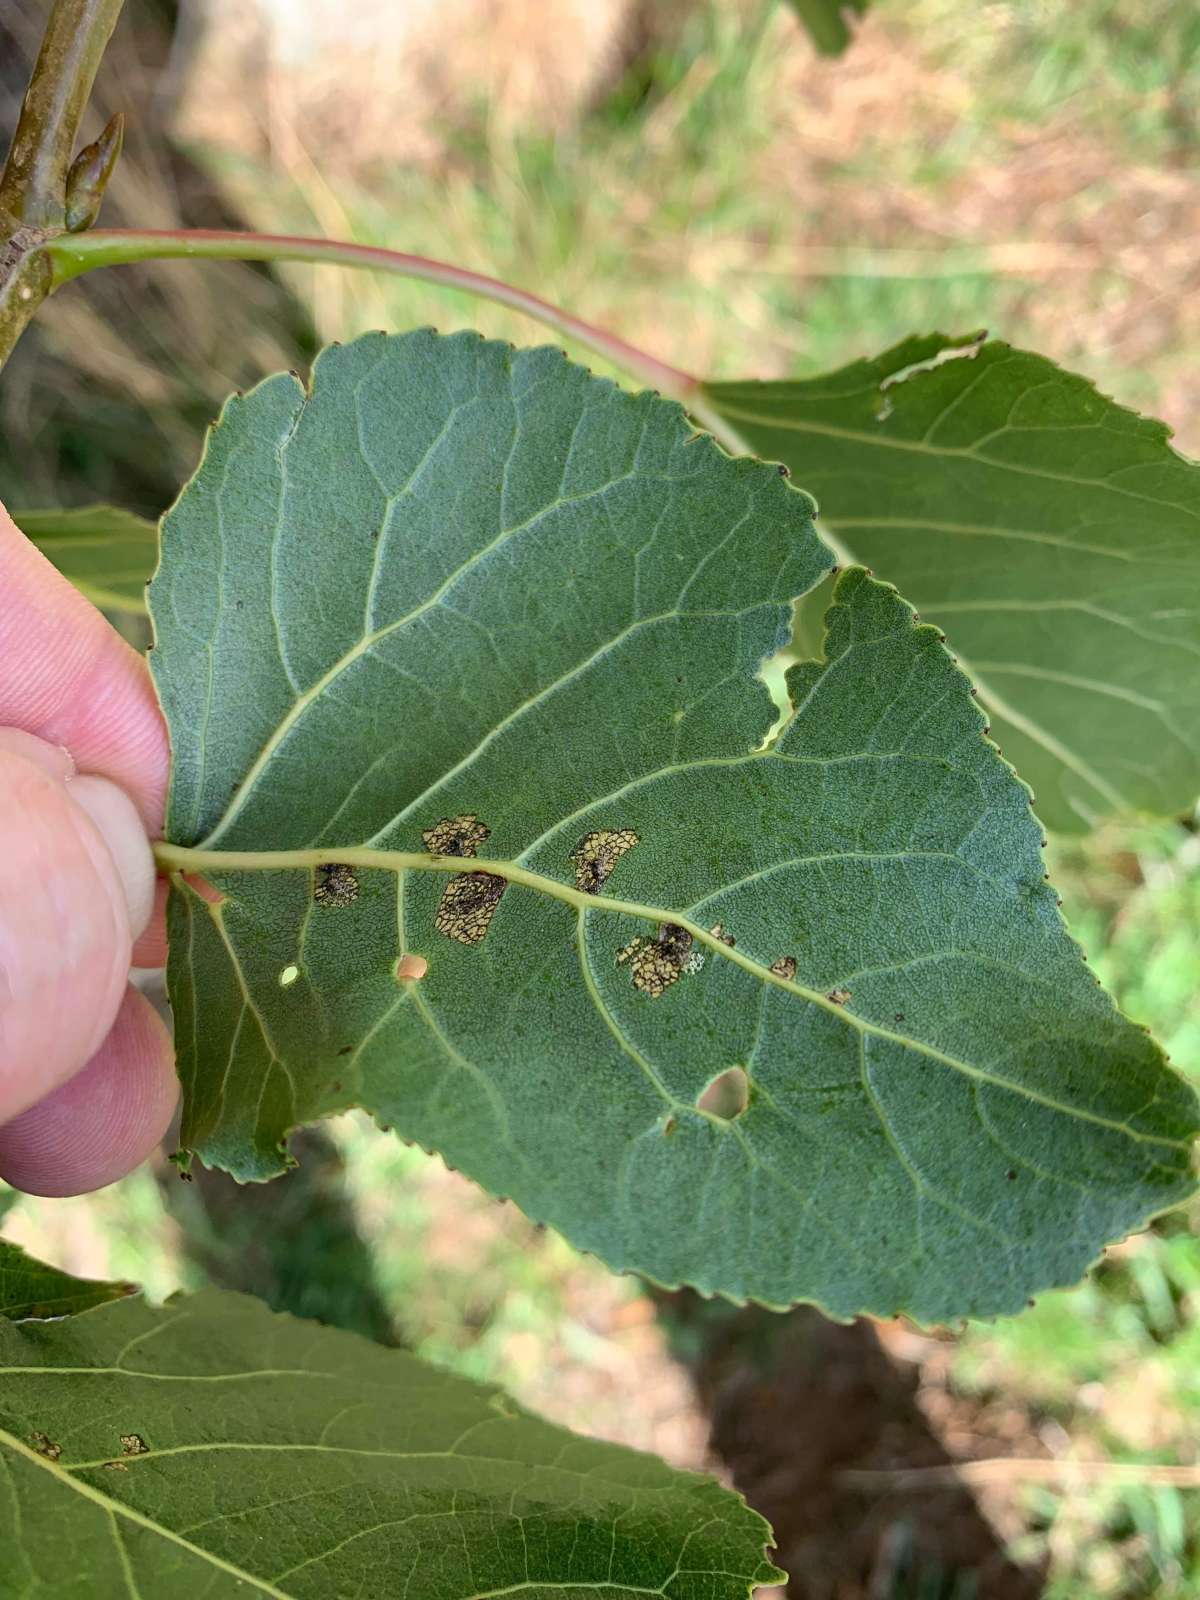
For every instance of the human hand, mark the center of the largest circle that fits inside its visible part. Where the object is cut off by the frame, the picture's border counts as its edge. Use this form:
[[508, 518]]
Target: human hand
[[87, 1082]]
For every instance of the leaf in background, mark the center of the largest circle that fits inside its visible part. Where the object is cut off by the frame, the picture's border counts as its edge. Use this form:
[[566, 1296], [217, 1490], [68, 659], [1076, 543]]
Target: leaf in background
[[829, 22], [473, 600], [213, 1447], [1053, 535], [29, 1288], [107, 553]]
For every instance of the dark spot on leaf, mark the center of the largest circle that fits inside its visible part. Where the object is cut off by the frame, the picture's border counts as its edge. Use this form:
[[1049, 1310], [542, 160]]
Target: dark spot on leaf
[[1011, 1175], [784, 967], [336, 885], [468, 905], [784, 472], [44, 1446], [345, 1050], [132, 1444], [456, 836], [840, 997], [597, 854], [658, 963], [727, 1096], [669, 1126], [899, 1016]]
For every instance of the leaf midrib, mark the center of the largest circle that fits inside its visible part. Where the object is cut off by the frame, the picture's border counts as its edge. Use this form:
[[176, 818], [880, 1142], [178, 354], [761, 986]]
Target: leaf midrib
[[178, 860]]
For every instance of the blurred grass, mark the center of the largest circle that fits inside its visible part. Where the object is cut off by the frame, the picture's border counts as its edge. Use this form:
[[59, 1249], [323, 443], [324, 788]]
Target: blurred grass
[[1112, 1369], [741, 207]]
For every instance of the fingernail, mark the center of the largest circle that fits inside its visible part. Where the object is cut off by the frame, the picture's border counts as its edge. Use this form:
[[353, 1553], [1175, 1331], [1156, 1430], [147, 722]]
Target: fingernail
[[52, 759]]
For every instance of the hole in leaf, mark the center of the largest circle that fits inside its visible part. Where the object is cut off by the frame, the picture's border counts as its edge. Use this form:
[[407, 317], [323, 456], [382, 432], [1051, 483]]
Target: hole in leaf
[[288, 976], [727, 1096]]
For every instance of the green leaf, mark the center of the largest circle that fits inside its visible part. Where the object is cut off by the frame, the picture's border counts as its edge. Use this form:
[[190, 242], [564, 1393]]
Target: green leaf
[[214, 1447], [461, 582], [29, 1288], [1053, 535], [829, 21], [107, 553]]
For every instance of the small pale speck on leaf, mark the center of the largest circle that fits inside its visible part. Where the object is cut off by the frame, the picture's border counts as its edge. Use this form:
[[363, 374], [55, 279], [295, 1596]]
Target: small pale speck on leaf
[[597, 854], [336, 885], [840, 997], [288, 976], [455, 836], [468, 905], [410, 968], [45, 1446], [784, 967]]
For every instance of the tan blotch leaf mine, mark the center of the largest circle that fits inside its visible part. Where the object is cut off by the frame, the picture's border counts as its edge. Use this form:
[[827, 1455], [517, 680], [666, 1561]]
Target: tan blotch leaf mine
[[336, 885], [718, 932], [468, 905], [840, 997], [132, 1444], [45, 1446], [658, 963], [455, 836], [411, 969], [597, 854], [785, 967]]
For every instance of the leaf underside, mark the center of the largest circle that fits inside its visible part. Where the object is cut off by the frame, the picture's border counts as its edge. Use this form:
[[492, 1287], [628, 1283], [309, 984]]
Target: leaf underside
[[1053, 535], [463, 582], [214, 1448], [108, 554], [30, 1288]]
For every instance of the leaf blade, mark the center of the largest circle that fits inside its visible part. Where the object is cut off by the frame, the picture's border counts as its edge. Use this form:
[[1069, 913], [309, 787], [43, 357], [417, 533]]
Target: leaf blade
[[401, 1474], [1053, 535], [107, 553], [560, 1058], [32, 1289]]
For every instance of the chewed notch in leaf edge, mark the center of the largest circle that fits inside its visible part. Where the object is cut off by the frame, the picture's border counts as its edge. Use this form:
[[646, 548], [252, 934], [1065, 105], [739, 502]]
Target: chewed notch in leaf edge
[[459, 652]]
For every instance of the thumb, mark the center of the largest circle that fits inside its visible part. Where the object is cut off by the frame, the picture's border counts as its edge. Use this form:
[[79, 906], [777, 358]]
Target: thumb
[[76, 887]]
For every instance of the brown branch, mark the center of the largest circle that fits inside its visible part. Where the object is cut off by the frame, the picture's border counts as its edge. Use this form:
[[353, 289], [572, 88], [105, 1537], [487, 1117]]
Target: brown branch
[[33, 187]]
